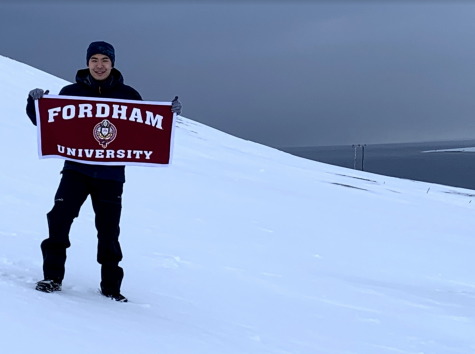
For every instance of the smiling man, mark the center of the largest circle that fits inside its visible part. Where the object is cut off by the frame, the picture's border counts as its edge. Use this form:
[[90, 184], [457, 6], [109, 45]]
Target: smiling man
[[102, 182], [100, 66]]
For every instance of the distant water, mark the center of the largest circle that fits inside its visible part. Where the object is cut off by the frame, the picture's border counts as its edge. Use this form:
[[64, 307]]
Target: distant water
[[403, 160]]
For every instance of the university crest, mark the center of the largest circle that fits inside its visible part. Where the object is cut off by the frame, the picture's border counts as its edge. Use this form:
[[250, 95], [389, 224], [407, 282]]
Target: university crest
[[105, 132]]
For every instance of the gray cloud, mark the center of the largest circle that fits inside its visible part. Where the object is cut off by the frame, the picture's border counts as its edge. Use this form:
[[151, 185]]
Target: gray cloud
[[279, 73]]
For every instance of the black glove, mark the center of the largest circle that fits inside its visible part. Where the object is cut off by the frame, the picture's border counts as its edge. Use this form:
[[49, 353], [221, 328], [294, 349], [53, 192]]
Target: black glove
[[176, 106], [37, 93]]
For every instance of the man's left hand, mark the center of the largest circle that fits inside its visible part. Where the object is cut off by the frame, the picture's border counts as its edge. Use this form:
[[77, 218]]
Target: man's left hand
[[176, 106]]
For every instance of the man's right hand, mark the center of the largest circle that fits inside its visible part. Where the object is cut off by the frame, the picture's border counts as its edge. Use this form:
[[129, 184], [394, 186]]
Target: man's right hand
[[37, 93]]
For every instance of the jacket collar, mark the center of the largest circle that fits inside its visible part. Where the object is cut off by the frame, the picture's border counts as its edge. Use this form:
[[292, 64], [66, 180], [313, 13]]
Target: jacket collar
[[84, 77]]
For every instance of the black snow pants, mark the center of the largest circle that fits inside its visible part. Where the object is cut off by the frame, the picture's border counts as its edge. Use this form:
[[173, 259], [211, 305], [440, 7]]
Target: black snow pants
[[106, 196]]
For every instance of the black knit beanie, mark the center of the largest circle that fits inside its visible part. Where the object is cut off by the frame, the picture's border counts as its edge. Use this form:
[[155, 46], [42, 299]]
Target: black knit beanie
[[100, 48]]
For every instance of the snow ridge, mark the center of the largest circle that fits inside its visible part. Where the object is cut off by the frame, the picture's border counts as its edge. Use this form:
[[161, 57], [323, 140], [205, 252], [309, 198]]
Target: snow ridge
[[236, 248]]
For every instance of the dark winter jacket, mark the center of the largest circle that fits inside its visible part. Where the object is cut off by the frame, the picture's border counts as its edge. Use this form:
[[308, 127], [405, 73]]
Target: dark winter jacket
[[86, 86]]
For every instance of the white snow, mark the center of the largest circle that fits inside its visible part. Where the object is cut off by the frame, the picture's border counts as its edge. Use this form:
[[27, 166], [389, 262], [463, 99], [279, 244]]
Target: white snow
[[466, 149], [236, 248]]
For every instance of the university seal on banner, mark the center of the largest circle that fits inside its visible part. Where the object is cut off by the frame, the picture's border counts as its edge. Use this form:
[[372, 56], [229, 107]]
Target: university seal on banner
[[105, 132]]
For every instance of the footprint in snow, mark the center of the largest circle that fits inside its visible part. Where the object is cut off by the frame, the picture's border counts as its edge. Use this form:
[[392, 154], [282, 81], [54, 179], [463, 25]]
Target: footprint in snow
[[169, 261]]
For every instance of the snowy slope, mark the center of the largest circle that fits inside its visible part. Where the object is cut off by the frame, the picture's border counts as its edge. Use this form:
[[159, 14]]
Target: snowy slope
[[236, 248]]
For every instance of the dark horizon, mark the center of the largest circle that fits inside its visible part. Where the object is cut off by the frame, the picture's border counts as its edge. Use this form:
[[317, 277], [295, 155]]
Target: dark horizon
[[449, 142], [404, 160]]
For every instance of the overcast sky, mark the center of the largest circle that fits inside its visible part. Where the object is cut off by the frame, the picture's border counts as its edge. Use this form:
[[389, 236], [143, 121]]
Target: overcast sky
[[281, 73]]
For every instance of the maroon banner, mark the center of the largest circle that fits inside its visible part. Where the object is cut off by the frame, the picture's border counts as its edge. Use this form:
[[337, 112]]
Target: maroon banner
[[105, 131]]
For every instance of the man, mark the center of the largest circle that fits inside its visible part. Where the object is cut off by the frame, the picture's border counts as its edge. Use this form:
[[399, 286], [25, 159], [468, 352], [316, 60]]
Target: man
[[103, 183]]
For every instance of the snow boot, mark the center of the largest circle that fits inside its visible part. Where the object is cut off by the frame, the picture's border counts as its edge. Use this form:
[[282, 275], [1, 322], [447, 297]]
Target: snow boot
[[48, 286], [117, 297]]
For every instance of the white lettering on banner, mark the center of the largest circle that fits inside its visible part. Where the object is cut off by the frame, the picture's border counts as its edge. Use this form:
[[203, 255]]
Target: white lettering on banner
[[53, 112], [69, 112], [108, 154], [103, 110], [138, 153], [136, 116], [85, 110], [122, 110], [155, 121]]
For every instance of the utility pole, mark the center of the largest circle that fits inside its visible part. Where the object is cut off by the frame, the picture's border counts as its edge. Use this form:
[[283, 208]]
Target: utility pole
[[362, 146], [362, 157]]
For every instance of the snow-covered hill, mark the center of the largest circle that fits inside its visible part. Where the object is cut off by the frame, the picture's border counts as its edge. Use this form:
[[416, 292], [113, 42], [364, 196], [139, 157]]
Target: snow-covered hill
[[236, 248]]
